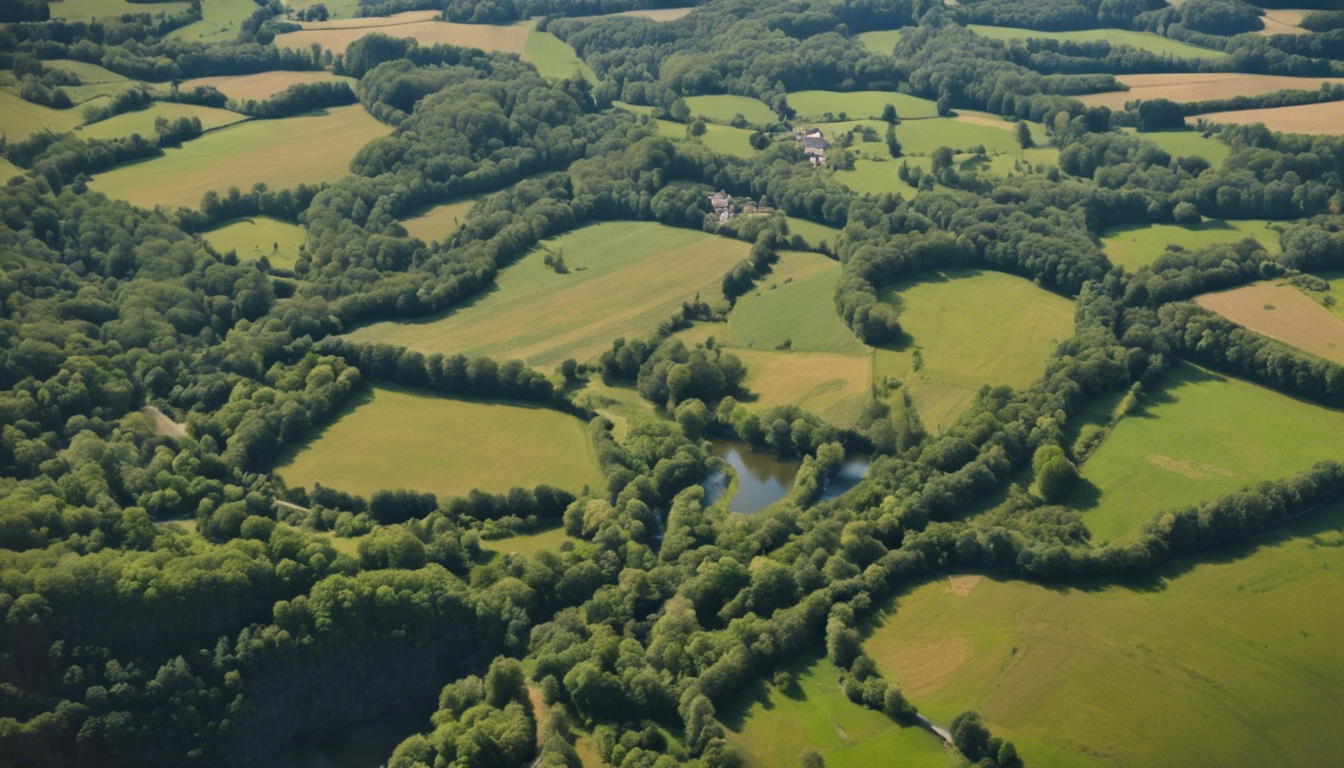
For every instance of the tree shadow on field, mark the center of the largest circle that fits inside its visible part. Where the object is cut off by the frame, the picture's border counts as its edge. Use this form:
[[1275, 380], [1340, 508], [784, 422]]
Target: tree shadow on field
[[476, 298], [360, 397], [735, 711]]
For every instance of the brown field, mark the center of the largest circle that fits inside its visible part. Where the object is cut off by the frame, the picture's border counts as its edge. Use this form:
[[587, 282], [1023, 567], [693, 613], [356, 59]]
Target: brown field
[[337, 35], [1283, 21], [984, 118], [1186, 87], [835, 387], [1282, 313], [1327, 118], [660, 14], [262, 85]]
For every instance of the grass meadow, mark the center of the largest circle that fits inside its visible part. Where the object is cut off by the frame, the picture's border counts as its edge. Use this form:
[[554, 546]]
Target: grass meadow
[[1185, 87], [86, 10], [723, 108], [393, 438], [723, 139], [1198, 435], [142, 121], [220, 21], [1231, 661], [20, 119], [880, 41], [8, 170], [921, 137], [1136, 245], [624, 278], [336, 36], [795, 303], [258, 236], [439, 221], [876, 177], [336, 9], [1324, 118], [858, 105], [835, 387], [1142, 40], [812, 232], [528, 544], [969, 328], [1190, 143], [89, 74], [1284, 313], [311, 148], [262, 85], [770, 728], [554, 57]]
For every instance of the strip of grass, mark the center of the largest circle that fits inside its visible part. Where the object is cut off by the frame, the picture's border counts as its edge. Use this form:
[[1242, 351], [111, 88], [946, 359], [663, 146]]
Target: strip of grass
[[1233, 661], [20, 119], [1197, 436], [88, 74], [624, 278], [263, 85], [771, 728], [259, 236], [554, 57], [394, 438], [724, 139], [1136, 245], [858, 105], [439, 221], [142, 121], [1146, 41], [722, 109], [812, 232], [86, 10]]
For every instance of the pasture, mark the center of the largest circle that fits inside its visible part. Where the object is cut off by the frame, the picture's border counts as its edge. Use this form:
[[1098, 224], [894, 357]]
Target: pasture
[[1146, 41], [1284, 313], [1184, 87], [1136, 245], [770, 728], [528, 544], [723, 108], [142, 121], [336, 9], [336, 36], [554, 57], [1326, 118], [1190, 144], [922, 137], [262, 85], [880, 41], [258, 236], [8, 170], [965, 329], [20, 119], [723, 139], [220, 21], [394, 438], [795, 303], [87, 10], [877, 177], [88, 74], [439, 221], [812, 232], [857, 105], [624, 279], [1199, 435], [835, 387], [1333, 298], [312, 148], [1233, 661]]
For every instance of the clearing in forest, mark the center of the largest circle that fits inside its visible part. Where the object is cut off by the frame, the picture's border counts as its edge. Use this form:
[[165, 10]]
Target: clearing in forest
[[813, 234], [336, 36], [723, 139], [1196, 436], [87, 10], [1284, 313], [1136, 245], [439, 221], [623, 278], [1234, 661], [965, 329], [880, 41], [220, 22], [258, 236], [1190, 144], [1324, 118], [528, 544], [263, 85], [554, 57], [722, 109], [142, 121], [1146, 41], [311, 148], [770, 727], [19, 119], [1185, 87], [875, 177], [395, 438], [858, 105]]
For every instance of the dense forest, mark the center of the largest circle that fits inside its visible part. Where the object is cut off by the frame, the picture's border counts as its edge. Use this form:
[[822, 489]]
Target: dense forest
[[130, 638]]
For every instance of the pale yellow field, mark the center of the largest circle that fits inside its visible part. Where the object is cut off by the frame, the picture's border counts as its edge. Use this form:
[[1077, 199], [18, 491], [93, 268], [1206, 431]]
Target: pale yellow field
[[20, 119], [439, 221], [89, 74], [835, 387], [1284, 313], [142, 121], [1283, 21], [660, 14], [337, 35], [1326, 118], [262, 85], [1203, 86], [309, 148]]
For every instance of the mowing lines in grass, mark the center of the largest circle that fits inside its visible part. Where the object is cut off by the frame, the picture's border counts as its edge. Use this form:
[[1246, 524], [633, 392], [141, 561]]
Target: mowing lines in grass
[[1231, 662], [1284, 313], [624, 279], [393, 438], [1199, 435], [1136, 245]]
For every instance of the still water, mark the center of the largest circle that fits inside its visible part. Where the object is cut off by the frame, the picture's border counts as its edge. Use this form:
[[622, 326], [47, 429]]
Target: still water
[[366, 743], [763, 478]]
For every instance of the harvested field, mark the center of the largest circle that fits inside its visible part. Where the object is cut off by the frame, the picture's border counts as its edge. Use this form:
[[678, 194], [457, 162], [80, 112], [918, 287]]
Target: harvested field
[[1283, 21], [309, 148], [262, 85], [1327, 118], [335, 36], [1284, 313], [142, 121], [1203, 86]]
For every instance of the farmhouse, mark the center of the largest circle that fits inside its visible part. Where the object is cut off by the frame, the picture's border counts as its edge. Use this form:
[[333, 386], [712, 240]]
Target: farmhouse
[[723, 206], [814, 145]]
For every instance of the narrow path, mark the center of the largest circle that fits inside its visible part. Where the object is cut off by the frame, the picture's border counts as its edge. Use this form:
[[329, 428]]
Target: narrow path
[[936, 730], [287, 504]]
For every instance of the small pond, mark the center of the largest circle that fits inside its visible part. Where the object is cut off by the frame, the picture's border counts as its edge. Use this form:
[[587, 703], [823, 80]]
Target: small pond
[[366, 743], [764, 478]]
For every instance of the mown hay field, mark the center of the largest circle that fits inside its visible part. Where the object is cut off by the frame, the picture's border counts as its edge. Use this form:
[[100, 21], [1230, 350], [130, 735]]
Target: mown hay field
[[796, 304], [1198, 435], [857, 105], [142, 121], [1284, 313], [1190, 144], [336, 36], [770, 728], [20, 119], [554, 57], [393, 438], [624, 279], [528, 544], [1136, 245], [723, 108], [220, 22], [310, 148], [836, 388], [967, 328], [1142, 40], [1202, 86], [263, 85], [87, 10], [439, 221], [1232, 661], [1326, 118], [258, 236]]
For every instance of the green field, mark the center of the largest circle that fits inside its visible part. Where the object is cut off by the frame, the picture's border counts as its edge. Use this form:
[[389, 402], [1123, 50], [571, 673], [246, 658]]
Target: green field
[[393, 438], [970, 328], [142, 121], [263, 85], [724, 139], [311, 148], [1190, 144], [921, 137], [89, 74], [258, 236], [722, 109], [1336, 292], [1228, 662], [220, 20], [1199, 435], [624, 279], [812, 232], [528, 544], [835, 387], [1135, 245], [20, 119], [8, 170], [1143, 40], [858, 105], [85, 10], [771, 728], [439, 221], [336, 9], [801, 310], [881, 41], [876, 177], [554, 57]]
